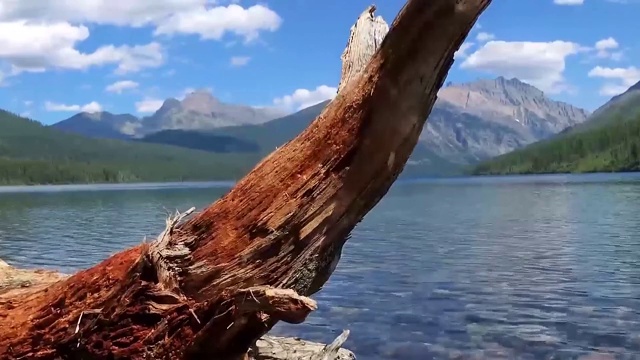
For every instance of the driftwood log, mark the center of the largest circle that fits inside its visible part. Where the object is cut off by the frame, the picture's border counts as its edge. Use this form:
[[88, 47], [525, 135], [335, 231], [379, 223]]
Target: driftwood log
[[18, 282], [210, 286]]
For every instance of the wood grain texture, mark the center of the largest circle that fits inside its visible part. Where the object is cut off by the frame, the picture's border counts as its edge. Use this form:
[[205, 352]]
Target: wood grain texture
[[282, 226]]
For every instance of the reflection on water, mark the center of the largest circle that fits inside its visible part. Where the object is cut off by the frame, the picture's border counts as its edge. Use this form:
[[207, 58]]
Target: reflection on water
[[513, 268]]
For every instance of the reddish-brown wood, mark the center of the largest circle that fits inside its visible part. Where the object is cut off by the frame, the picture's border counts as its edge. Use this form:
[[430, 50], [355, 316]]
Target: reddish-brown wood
[[210, 286]]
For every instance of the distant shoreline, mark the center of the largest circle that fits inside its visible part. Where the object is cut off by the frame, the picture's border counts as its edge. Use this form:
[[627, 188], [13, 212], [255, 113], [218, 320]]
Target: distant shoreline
[[442, 180], [115, 186]]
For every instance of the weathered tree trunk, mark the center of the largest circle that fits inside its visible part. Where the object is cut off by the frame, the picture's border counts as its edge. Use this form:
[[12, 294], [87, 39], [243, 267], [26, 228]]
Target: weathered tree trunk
[[365, 39], [210, 286]]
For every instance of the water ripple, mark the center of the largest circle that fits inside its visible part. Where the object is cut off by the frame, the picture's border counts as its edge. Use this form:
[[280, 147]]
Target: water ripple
[[495, 268]]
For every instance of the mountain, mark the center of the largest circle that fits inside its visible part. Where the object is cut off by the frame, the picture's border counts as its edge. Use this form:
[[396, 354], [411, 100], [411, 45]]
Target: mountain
[[486, 118], [276, 132], [469, 122], [31, 153], [272, 134], [199, 110], [100, 125], [620, 107], [608, 141], [266, 137]]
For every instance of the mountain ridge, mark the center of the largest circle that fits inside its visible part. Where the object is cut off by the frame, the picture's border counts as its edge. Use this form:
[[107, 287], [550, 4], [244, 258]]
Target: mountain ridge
[[470, 122], [32, 153], [609, 141], [199, 110]]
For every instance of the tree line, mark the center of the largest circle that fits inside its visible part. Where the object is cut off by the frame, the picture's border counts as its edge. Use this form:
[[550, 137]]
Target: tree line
[[611, 147], [31, 153]]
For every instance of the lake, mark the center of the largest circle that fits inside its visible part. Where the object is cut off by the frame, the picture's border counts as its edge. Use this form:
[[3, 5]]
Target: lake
[[539, 267]]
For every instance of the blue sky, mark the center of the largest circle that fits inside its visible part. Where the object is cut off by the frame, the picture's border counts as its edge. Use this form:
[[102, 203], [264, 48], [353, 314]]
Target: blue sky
[[57, 58]]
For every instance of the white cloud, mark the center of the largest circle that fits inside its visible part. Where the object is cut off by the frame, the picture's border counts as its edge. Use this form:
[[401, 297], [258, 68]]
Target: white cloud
[[568, 2], [135, 13], [148, 105], [167, 16], [616, 56], [485, 36], [303, 98], [119, 86], [606, 44], [214, 23], [35, 47], [618, 80], [90, 107], [38, 37], [462, 51], [604, 49], [539, 63], [238, 61]]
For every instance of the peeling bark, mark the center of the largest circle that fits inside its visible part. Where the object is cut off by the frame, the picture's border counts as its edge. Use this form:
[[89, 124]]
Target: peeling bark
[[15, 282], [279, 232]]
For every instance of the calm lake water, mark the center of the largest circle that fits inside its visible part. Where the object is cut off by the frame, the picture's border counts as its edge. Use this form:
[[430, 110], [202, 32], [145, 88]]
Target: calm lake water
[[544, 267]]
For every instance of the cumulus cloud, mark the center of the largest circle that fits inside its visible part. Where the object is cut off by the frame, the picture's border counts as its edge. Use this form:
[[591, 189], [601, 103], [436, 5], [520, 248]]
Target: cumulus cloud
[[238, 61], [36, 37], [214, 23], [167, 16], [568, 2], [135, 13], [148, 105], [303, 98], [485, 36], [617, 80], [119, 86], [605, 48], [462, 51], [90, 107], [539, 63], [35, 47]]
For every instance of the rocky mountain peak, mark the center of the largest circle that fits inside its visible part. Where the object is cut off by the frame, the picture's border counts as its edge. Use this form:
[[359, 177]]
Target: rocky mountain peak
[[168, 105], [200, 101], [511, 91], [513, 103]]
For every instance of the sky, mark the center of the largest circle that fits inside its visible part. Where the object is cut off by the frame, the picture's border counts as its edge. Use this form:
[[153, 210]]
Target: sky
[[60, 57]]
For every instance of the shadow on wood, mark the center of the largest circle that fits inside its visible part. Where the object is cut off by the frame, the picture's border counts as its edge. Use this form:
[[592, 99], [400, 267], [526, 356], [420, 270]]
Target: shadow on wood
[[210, 286]]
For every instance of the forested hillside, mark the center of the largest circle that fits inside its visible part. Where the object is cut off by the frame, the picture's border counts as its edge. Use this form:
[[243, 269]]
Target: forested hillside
[[199, 140], [612, 147], [31, 153]]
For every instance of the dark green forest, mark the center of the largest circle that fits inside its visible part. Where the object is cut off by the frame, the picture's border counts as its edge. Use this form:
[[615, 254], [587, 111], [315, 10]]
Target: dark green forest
[[201, 141], [31, 153], [611, 147]]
